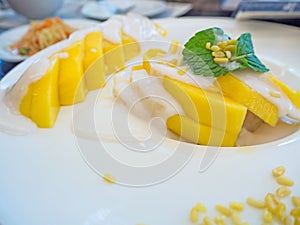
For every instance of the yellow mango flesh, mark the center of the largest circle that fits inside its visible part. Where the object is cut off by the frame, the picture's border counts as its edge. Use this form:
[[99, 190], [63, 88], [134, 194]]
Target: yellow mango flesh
[[207, 108], [245, 95], [131, 47], [41, 102], [293, 95], [199, 133], [25, 106], [113, 56], [72, 86], [93, 61]]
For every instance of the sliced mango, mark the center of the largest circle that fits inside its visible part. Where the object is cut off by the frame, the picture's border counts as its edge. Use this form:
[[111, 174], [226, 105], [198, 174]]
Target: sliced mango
[[72, 86], [245, 95], [41, 102], [207, 108], [25, 106], [93, 61], [198, 133], [131, 47], [113, 56], [293, 95]]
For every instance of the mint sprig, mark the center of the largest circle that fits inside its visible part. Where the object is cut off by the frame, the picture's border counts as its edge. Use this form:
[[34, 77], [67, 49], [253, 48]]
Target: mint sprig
[[245, 53], [200, 59]]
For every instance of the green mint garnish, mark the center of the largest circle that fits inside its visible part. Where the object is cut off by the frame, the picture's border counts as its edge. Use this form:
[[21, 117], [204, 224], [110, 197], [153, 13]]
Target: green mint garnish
[[245, 53], [199, 56]]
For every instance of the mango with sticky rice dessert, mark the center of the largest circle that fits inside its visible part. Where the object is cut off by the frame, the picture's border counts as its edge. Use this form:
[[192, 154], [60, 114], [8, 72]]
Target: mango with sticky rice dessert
[[233, 64], [213, 66], [293, 95], [207, 109], [71, 83], [135, 29], [112, 46], [93, 60], [199, 133], [247, 96], [41, 101]]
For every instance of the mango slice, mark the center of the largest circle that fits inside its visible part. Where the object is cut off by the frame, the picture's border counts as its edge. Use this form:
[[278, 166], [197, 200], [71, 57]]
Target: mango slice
[[113, 56], [72, 86], [245, 95], [93, 61], [41, 102], [131, 47], [293, 95], [25, 106], [198, 133], [207, 108]]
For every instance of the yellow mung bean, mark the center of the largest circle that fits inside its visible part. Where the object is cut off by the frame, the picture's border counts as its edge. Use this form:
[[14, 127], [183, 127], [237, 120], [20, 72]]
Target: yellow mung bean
[[289, 220], [208, 45], [194, 215], [220, 220], [275, 94], [201, 208], [282, 192], [222, 44], [228, 54], [231, 42], [256, 203], [296, 201], [218, 54], [215, 48], [109, 178], [297, 221], [278, 171], [271, 202], [182, 70], [281, 211], [174, 47], [236, 218], [237, 205], [285, 181], [208, 221], [220, 60], [223, 210], [267, 216], [295, 212], [231, 48]]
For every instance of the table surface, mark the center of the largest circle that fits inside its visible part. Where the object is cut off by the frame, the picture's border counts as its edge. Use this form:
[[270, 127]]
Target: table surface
[[71, 9]]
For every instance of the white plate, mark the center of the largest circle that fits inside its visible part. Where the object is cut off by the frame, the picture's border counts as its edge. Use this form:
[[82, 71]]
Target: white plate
[[47, 179], [9, 37], [102, 11]]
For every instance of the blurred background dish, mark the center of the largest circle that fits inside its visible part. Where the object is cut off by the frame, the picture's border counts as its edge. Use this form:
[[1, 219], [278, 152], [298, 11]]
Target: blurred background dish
[[9, 37], [35, 9], [102, 10]]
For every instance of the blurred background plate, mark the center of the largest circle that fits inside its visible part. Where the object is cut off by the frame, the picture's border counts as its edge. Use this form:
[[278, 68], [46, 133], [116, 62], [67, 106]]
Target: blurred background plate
[[9, 37], [149, 8], [105, 9]]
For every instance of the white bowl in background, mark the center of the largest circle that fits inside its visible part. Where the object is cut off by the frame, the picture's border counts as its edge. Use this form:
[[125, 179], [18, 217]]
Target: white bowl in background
[[35, 9]]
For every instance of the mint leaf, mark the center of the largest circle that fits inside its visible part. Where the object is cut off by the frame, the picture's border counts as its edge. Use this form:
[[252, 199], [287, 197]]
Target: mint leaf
[[244, 45], [199, 58], [255, 64], [245, 54]]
